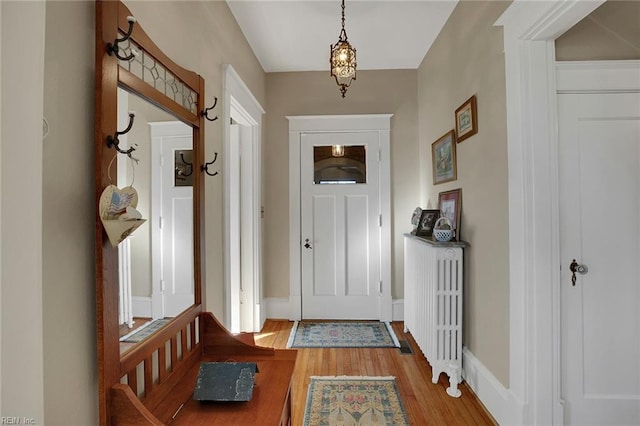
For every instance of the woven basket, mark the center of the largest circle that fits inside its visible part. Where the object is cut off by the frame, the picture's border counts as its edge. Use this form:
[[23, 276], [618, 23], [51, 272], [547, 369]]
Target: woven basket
[[440, 232]]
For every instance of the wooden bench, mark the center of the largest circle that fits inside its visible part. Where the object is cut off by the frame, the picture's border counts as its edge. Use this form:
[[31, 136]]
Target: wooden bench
[[159, 375]]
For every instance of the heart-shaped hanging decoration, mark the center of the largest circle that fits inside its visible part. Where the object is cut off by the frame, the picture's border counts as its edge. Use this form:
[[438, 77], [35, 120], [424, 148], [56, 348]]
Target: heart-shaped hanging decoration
[[118, 212]]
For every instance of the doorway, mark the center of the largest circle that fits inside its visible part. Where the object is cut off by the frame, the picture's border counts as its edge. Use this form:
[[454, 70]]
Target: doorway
[[242, 117], [599, 184], [339, 193], [530, 30], [340, 230], [171, 214]]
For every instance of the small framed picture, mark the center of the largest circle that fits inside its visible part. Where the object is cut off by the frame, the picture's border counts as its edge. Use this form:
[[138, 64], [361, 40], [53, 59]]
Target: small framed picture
[[443, 158], [450, 206], [467, 119], [427, 220]]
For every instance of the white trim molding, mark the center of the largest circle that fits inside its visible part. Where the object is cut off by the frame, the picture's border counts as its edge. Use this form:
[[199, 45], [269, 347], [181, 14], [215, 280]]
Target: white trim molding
[[241, 105], [277, 307], [598, 76], [530, 29], [397, 310], [141, 306], [488, 389], [380, 123]]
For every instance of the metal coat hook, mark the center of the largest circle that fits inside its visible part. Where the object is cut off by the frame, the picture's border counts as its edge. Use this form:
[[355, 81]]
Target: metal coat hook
[[113, 141], [205, 168], [205, 113], [190, 165], [112, 48]]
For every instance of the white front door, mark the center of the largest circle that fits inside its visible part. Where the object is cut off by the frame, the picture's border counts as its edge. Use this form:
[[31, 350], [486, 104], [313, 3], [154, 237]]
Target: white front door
[[173, 172], [340, 225], [599, 163]]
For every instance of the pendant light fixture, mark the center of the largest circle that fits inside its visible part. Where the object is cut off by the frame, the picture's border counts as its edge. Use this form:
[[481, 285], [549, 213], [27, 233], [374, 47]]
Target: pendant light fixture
[[343, 60], [337, 150]]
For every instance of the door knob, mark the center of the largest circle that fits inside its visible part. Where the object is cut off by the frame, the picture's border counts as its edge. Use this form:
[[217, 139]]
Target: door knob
[[307, 245], [574, 267]]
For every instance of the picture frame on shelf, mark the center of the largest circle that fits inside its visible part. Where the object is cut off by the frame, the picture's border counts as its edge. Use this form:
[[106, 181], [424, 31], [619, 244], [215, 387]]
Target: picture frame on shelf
[[427, 220], [450, 206], [467, 119], [443, 158]]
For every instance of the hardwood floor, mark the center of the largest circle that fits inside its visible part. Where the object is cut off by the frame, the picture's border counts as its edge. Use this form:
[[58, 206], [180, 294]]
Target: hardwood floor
[[424, 402]]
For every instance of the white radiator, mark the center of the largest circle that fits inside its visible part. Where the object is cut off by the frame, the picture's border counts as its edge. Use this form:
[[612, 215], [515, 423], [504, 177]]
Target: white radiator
[[433, 304]]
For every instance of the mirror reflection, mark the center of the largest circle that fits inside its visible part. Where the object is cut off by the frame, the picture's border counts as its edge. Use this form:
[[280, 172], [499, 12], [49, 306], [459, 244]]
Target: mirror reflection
[[156, 263], [339, 164]]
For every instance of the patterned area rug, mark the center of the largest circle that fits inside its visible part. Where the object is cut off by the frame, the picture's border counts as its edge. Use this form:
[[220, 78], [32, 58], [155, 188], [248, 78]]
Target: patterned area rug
[[354, 401], [348, 334], [145, 331]]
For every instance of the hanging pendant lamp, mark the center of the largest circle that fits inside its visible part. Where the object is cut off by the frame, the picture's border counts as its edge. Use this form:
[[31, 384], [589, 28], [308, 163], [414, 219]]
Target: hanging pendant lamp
[[343, 60]]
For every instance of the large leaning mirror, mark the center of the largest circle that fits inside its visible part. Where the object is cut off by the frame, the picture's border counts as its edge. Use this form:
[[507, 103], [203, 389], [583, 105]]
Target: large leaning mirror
[[149, 136], [156, 263]]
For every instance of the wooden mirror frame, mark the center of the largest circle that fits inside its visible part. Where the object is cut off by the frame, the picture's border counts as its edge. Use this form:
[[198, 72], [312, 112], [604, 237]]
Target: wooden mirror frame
[[161, 371], [111, 22]]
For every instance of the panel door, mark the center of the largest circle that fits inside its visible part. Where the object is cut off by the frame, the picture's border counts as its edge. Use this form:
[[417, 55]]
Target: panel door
[[599, 137], [340, 211]]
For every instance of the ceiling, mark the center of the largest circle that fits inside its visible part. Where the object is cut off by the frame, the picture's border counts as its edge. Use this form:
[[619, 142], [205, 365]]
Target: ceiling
[[295, 35]]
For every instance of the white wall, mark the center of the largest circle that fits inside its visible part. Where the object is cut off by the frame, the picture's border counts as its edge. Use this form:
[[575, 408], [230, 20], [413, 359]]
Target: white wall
[[21, 371]]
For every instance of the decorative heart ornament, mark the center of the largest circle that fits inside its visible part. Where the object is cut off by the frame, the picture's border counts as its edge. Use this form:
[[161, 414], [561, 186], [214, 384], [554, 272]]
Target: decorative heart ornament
[[118, 212]]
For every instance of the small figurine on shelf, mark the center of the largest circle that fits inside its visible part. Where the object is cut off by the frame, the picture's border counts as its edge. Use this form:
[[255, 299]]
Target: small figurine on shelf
[[415, 220]]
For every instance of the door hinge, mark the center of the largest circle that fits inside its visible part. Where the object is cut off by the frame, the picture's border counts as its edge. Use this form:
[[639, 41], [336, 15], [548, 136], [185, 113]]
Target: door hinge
[[380, 286], [162, 286], [380, 220], [160, 222]]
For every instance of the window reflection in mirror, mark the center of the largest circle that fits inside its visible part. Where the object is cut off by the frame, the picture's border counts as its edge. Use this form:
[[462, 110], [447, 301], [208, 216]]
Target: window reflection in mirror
[[339, 164], [156, 276]]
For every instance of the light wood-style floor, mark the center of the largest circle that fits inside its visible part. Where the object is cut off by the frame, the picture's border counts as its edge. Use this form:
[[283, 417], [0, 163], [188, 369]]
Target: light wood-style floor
[[425, 403]]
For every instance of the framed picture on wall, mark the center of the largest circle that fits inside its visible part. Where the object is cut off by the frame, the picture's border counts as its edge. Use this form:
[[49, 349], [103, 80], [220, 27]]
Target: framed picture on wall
[[450, 206], [467, 119], [443, 158]]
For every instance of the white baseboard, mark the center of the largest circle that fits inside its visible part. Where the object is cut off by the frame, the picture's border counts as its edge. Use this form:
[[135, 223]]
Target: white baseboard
[[277, 307], [487, 388], [280, 307], [141, 306], [397, 310]]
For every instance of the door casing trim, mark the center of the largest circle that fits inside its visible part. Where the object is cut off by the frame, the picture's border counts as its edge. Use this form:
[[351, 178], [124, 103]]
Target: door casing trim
[[380, 123]]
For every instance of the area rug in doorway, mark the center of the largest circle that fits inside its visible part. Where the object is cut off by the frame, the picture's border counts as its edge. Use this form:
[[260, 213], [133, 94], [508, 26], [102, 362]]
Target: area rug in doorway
[[145, 331], [354, 401], [342, 334]]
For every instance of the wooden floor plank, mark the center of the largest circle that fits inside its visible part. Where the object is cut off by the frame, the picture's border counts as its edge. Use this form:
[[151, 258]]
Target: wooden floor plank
[[424, 402]]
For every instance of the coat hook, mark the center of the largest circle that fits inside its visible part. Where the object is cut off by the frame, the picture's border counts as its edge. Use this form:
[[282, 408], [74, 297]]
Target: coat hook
[[205, 113], [112, 48], [113, 141], [190, 165], [205, 168]]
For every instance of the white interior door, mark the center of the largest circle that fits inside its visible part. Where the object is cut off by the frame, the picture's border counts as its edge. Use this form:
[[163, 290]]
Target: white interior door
[[599, 138], [340, 225], [172, 211]]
